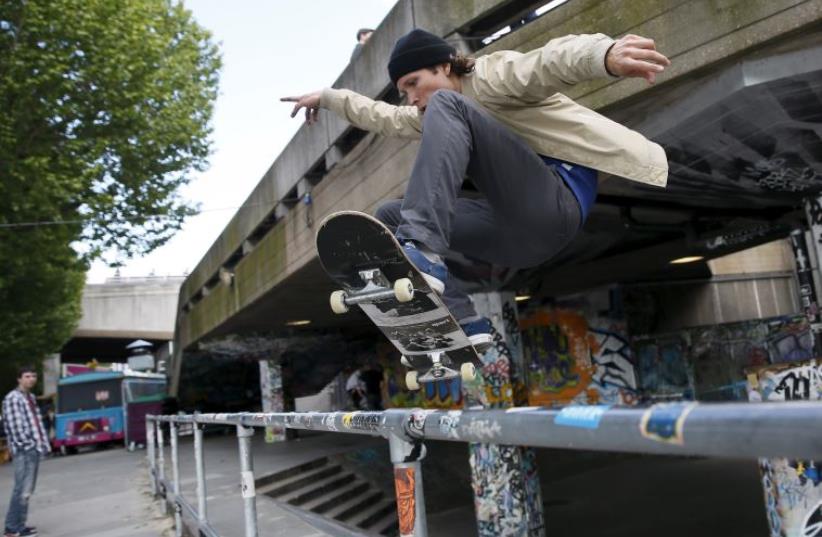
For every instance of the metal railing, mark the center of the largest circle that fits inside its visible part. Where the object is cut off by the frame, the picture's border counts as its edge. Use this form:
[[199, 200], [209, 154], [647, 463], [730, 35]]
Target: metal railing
[[738, 430]]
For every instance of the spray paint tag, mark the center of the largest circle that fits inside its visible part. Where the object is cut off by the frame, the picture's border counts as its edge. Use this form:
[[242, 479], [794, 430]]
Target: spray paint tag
[[405, 488], [247, 484], [582, 416]]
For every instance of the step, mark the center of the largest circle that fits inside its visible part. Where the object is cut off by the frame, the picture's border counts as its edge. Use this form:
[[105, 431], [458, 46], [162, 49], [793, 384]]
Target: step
[[300, 481], [350, 508], [372, 513], [318, 489], [345, 494], [388, 525], [290, 472]]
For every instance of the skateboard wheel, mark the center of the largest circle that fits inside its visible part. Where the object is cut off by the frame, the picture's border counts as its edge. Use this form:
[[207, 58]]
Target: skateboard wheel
[[404, 361], [468, 371], [404, 290], [411, 381], [338, 304]]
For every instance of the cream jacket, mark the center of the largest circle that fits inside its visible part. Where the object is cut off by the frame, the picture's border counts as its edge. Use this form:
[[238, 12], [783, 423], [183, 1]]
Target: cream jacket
[[523, 91]]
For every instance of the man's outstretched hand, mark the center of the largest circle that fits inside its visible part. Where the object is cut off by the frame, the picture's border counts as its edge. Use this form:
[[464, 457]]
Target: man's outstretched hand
[[309, 101], [635, 56]]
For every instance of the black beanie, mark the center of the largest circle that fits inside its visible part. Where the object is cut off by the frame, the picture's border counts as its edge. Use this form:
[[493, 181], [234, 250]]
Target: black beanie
[[415, 50]]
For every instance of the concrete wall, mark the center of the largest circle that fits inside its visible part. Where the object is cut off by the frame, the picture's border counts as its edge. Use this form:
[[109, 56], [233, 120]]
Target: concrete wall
[[130, 308]]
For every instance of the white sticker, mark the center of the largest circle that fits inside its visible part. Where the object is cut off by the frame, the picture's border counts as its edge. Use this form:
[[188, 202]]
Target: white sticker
[[248, 484]]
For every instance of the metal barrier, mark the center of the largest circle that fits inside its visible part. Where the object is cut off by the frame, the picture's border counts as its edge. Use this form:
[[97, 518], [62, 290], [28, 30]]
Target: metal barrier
[[739, 430]]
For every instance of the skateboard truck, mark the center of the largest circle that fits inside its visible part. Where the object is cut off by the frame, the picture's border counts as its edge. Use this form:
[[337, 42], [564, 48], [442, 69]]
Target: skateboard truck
[[437, 371], [377, 288]]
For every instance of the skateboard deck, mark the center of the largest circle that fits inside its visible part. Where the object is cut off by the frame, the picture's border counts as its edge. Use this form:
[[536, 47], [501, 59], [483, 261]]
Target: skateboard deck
[[362, 256]]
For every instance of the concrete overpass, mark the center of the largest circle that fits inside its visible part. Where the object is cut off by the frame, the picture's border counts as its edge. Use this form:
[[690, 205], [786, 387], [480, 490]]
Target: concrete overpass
[[121, 310], [739, 113]]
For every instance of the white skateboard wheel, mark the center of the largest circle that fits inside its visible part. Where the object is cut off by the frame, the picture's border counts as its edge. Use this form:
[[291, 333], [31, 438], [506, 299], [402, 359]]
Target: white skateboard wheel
[[404, 290], [468, 371], [404, 361], [411, 381], [338, 304]]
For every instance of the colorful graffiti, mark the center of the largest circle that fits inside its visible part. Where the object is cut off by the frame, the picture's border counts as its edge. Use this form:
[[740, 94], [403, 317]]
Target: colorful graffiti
[[793, 494], [615, 378], [443, 394], [499, 494], [505, 480], [663, 368], [556, 351], [572, 362], [721, 353], [708, 363]]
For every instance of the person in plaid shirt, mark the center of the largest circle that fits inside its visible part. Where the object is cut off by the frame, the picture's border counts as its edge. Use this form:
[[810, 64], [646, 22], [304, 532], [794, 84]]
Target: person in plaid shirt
[[28, 440]]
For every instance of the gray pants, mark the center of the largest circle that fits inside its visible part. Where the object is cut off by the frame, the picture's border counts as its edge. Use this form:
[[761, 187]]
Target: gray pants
[[527, 213]]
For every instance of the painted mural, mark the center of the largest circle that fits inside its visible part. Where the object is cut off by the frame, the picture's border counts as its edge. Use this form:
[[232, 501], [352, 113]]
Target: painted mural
[[443, 394], [572, 361], [663, 368], [708, 363], [793, 494], [719, 354]]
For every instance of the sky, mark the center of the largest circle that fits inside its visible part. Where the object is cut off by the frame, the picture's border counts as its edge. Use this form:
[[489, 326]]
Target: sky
[[270, 49]]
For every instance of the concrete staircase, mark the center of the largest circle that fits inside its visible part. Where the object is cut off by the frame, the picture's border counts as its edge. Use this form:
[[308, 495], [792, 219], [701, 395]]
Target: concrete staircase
[[326, 488]]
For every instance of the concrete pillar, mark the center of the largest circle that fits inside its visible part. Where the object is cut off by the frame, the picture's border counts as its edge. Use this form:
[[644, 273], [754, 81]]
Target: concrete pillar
[[505, 480], [792, 488], [271, 393]]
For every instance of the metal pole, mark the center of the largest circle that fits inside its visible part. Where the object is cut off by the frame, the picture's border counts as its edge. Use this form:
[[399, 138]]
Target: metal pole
[[406, 457], [175, 472], [200, 468], [150, 453], [244, 435], [161, 463]]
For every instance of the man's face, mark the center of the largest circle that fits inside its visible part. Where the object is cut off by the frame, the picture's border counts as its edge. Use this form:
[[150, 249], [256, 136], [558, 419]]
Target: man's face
[[421, 84], [27, 381]]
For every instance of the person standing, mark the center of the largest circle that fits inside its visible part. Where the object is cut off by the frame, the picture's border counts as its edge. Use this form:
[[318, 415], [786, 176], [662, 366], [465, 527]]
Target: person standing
[[355, 388], [363, 34], [27, 440]]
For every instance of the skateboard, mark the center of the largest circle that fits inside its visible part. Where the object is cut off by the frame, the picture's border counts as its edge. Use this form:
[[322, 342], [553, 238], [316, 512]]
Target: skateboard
[[362, 256]]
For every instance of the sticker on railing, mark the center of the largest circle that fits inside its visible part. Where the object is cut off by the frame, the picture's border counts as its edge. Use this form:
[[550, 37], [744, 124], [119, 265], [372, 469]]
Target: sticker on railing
[[363, 421], [247, 484], [664, 422], [582, 416]]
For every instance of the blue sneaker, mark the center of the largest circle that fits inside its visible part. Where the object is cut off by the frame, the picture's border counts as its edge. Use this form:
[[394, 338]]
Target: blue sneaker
[[435, 274], [479, 334]]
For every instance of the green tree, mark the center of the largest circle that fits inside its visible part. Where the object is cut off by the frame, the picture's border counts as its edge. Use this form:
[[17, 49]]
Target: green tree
[[104, 114]]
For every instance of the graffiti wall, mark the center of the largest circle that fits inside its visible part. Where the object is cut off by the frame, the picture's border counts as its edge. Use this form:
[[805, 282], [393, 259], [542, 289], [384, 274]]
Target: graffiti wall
[[663, 368], [443, 394], [708, 363], [793, 495], [721, 353], [571, 360]]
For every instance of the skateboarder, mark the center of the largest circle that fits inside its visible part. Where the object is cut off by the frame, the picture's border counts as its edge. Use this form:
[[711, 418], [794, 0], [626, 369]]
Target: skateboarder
[[501, 119]]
